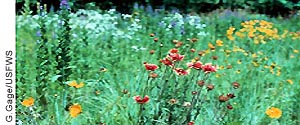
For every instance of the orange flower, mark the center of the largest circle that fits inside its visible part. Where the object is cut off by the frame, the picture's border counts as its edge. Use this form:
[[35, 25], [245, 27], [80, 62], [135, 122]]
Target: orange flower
[[75, 110], [28, 102], [274, 112], [75, 84]]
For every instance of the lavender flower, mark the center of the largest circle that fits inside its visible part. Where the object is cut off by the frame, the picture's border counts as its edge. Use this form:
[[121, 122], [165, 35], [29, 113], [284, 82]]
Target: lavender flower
[[173, 23], [182, 31], [64, 4], [149, 9], [38, 33], [135, 6]]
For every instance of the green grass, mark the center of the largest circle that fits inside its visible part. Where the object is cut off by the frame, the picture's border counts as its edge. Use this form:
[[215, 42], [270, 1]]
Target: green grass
[[110, 41]]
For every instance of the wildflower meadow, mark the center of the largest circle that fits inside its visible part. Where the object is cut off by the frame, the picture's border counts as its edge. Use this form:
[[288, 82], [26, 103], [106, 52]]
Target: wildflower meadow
[[156, 67]]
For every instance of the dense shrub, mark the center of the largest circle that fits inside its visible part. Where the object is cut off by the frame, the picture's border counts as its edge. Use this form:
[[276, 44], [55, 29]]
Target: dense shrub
[[270, 7]]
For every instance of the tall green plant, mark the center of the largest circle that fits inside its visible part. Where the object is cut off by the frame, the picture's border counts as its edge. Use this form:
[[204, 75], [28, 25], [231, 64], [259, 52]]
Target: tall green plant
[[42, 58], [63, 57]]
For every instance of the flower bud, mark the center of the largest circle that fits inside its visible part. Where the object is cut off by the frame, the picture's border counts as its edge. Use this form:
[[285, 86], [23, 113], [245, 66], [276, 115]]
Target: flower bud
[[210, 87]]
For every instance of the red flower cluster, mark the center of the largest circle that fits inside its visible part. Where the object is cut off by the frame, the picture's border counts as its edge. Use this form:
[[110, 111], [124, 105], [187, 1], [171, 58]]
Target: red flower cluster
[[150, 67], [180, 71], [176, 56], [140, 100], [196, 65], [208, 68], [173, 56], [167, 62]]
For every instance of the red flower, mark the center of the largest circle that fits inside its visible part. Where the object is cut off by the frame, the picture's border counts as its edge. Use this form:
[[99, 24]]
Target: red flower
[[229, 106], [230, 95], [167, 62], [139, 100], [173, 50], [190, 123], [175, 56], [196, 65], [180, 71], [150, 67], [208, 67]]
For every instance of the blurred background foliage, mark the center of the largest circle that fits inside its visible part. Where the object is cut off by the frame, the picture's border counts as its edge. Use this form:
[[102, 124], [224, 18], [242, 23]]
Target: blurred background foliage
[[270, 7]]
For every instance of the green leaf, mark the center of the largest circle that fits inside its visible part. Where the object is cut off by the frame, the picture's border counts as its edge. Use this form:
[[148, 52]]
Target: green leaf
[[54, 78]]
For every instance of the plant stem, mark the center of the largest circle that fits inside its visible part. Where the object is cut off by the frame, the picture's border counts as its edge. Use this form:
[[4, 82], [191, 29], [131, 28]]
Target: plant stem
[[140, 121]]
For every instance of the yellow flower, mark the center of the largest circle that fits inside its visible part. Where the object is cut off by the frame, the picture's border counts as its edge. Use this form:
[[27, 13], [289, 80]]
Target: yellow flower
[[75, 110], [292, 56], [79, 85], [296, 51], [229, 33], [260, 53], [255, 64], [28, 102], [211, 46], [266, 66], [239, 62], [274, 112], [239, 34], [219, 43], [75, 84], [278, 73], [290, 81], [221, 67], [256, 41], [254, 55]]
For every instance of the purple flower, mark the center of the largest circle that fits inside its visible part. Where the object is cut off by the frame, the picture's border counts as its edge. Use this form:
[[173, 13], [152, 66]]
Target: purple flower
[[64, 4], [174, 11], [182, 31], [173, 23], [135, 5], [149, 9], [38, 33], [142, 7], [161, 24]]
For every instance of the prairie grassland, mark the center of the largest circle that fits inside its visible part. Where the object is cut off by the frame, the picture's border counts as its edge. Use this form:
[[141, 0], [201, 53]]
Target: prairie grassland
[[96, 67]]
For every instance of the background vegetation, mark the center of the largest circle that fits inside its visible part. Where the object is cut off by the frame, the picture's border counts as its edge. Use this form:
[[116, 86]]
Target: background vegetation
[[270, 7]]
